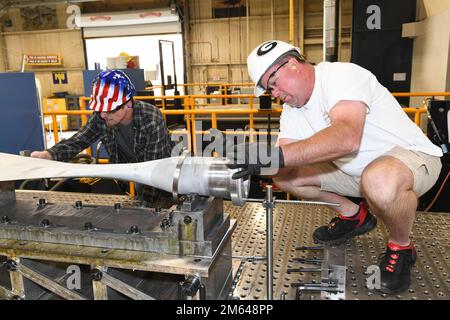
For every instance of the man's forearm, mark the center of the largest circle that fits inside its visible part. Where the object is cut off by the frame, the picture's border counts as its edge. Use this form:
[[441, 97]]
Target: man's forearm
[[67, 149], [327, 145]]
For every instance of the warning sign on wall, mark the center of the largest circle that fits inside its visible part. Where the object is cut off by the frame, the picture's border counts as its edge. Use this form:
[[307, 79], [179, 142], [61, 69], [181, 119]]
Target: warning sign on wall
[[43, 59]]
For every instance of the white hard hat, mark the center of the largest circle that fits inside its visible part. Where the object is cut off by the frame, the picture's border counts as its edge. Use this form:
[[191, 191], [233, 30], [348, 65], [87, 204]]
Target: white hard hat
[[263, 57]]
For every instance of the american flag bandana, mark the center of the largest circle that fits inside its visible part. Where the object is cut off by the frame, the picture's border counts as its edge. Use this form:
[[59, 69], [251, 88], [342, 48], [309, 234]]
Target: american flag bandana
[[110, 89]]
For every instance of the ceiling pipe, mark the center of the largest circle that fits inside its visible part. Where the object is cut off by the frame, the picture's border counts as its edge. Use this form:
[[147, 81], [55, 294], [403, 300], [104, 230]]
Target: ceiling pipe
[[272, 25], [301, 25], [247, 31], [330, 29], [291, 22]]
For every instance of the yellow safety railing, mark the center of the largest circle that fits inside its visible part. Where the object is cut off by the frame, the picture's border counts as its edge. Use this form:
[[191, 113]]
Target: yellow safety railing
[[421, 94], [222, 87], [191, 109]]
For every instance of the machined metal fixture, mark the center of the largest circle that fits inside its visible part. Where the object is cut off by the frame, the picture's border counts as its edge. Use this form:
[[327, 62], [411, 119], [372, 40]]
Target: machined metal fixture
[[135, 252], [208, 176]]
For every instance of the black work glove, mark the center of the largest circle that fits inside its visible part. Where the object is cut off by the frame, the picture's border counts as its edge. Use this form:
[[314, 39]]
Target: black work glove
[[252, 157]]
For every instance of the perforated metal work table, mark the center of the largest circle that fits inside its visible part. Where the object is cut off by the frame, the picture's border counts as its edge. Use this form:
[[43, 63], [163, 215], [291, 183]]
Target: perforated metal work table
[[293, 227]]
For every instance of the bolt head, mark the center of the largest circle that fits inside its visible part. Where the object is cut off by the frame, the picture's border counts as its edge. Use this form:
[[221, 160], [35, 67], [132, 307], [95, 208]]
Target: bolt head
[[11, 265], [134, 229], [187, 220], [96, 274]]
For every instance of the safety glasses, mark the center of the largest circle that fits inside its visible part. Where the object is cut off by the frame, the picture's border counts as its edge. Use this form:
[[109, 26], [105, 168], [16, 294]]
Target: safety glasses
[[270, 88]]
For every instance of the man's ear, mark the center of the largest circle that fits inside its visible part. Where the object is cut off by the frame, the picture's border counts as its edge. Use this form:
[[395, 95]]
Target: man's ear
[[129, 106]]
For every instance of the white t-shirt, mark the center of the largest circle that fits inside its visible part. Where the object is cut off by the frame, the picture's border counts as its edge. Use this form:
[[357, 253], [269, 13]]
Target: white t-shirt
[[387, 125]]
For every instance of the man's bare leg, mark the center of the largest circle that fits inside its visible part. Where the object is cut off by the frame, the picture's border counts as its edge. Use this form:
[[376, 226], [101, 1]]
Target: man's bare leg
[[388, 187], [388, 184]]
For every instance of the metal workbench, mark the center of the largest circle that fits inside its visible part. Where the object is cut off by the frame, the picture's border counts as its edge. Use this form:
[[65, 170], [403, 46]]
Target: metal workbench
[[293, 226]]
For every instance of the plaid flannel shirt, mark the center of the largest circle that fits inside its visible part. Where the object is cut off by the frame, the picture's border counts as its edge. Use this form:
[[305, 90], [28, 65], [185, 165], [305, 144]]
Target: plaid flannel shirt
[[150, 135]]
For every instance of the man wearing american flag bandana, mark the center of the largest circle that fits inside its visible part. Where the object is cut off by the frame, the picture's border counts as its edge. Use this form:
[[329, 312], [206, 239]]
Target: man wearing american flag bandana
[[131, 130]]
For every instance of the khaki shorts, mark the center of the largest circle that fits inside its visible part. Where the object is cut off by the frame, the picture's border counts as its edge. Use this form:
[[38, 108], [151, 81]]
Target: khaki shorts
[[425, 169]]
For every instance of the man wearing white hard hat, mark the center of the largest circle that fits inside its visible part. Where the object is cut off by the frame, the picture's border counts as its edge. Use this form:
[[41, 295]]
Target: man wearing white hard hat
[[130, 130], [342, 134]]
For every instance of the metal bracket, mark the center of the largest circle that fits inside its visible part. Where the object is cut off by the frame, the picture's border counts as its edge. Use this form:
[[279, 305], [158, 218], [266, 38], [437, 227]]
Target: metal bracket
[[176, 174], [190, 286]]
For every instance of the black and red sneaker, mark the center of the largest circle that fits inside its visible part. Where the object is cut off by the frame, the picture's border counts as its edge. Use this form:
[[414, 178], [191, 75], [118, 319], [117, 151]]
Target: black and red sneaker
[[395, 266], [342, 228]]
